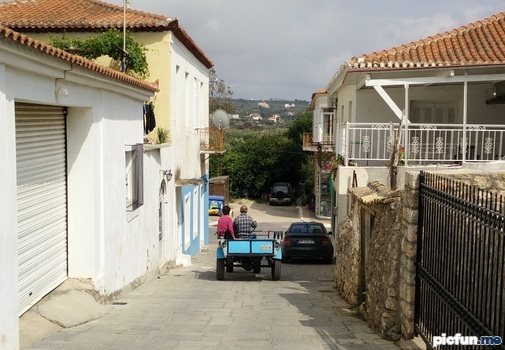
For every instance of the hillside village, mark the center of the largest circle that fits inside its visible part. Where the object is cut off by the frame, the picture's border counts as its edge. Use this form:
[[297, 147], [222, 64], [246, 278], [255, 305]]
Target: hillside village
[[279, 112]]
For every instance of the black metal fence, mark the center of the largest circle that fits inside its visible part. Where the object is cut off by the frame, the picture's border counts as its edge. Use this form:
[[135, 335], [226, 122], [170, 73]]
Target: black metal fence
[[460, 265]]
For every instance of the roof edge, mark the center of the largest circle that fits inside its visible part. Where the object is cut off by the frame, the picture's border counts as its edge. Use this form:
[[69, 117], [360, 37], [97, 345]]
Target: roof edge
[[184, 37], [75, 59]]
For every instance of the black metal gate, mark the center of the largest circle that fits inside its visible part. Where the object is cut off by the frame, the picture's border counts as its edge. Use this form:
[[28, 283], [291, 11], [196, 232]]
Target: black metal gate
[[460, 297]]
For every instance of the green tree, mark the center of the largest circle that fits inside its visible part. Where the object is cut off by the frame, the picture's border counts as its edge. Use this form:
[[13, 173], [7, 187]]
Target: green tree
[[302, 123], [255, 159], [109, 43], [220, 94]]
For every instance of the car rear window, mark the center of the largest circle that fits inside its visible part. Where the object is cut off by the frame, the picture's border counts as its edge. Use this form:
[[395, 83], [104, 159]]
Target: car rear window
[[280, 188], [306, 228]]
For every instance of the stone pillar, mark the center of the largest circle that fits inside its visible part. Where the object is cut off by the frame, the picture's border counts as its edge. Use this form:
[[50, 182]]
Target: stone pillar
[[407, 286]]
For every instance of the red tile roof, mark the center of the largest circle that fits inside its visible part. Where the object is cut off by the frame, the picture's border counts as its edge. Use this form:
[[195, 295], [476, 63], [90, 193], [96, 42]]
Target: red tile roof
[[319, 92], [478, 43], [75, 15], [9, 34], [54, 16]]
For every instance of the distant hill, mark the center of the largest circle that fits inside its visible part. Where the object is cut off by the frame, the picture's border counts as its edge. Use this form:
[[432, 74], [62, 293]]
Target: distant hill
[[287, 110]]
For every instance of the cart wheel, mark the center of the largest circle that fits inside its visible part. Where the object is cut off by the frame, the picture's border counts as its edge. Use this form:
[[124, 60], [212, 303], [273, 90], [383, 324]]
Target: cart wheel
[[220, 269], [276, 270]]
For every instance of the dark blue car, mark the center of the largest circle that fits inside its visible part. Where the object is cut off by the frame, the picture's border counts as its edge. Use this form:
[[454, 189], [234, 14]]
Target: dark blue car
[[307, 240]]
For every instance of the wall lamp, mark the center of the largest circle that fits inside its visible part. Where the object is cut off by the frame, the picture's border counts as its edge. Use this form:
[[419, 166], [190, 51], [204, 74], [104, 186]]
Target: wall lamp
[[167, 174]]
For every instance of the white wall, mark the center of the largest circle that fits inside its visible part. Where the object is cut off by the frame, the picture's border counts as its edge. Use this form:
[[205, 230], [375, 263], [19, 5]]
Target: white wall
[[188, 117], [9, 302], [321, 101], [104, 115], [189, 110]]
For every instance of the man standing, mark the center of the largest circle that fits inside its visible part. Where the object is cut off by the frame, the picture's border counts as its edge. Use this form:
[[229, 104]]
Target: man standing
[[243, 224]]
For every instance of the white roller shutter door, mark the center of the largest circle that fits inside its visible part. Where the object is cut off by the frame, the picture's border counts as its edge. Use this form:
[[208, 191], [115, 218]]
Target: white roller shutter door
[[41, 201]]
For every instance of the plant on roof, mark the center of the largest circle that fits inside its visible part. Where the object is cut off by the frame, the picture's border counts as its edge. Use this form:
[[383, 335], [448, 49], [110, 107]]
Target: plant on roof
[[108, 43]]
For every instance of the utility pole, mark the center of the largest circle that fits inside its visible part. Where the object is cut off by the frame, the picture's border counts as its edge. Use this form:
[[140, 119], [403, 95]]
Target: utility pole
[[123, 63]]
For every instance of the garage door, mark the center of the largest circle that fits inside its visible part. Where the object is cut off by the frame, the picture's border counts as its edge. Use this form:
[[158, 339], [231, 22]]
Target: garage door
[[41, 201]]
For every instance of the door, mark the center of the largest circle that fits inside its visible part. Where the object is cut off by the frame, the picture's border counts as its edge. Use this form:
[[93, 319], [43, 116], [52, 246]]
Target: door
[[41, 201]]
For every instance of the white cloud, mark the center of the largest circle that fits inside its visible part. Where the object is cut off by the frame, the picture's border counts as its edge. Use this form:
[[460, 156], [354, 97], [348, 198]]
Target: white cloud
[[291, 48]]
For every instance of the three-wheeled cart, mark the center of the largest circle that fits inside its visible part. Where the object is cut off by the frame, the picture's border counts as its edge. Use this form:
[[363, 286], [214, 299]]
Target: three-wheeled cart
[[260, 250]]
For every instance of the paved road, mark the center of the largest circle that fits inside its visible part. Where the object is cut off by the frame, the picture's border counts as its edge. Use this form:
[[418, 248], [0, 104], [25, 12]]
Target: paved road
[[187, 308]]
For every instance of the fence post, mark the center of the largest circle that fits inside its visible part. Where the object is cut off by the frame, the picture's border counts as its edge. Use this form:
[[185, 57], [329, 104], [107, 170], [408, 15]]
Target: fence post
[[346, 144], [420, 218], [406, 141]]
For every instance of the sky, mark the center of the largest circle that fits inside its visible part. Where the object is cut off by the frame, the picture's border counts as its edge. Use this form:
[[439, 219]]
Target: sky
[[288, 49]]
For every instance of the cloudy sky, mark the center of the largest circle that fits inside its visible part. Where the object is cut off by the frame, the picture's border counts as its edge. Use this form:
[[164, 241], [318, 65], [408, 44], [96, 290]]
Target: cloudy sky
[[288, 49]]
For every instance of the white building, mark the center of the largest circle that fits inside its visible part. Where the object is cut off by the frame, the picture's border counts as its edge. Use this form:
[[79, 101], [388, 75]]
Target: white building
[[181, 70], [72, 152]]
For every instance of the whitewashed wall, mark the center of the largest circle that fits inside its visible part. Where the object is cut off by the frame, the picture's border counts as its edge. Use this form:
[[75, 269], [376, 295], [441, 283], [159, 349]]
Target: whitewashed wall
[[103, 116], [9, 325], [320, 102], [189, 111]]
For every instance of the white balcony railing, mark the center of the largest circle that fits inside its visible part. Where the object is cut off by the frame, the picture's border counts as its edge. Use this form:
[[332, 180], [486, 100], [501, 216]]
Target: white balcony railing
[[423, 143]]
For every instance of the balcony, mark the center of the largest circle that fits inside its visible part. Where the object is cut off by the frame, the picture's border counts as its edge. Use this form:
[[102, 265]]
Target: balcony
[[212, 141], [369, 144], [325, 145]]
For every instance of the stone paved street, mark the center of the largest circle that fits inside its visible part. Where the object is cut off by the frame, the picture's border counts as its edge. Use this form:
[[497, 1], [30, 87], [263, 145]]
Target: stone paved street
[[187, 308]]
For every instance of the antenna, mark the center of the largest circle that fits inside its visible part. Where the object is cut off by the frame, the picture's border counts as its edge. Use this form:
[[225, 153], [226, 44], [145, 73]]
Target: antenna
[[220, 119]]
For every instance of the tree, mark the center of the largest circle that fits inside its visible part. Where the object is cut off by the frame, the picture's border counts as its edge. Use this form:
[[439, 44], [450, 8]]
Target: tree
[[220, 94], [109, 43], [256, 159], [302, 123]]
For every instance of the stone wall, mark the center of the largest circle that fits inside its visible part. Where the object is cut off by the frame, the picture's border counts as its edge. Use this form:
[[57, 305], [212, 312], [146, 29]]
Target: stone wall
[[407, 268], [388, 274], [382, 267], [368, 254], [347, 252]]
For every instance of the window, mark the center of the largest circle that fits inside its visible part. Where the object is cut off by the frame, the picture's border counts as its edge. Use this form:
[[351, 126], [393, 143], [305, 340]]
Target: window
[[307, 228], [430, 112], [327, 124], [196, 103], [134, 171]]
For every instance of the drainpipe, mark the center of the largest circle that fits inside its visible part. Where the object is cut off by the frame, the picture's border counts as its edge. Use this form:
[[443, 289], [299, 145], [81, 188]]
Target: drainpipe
[[123, 63]]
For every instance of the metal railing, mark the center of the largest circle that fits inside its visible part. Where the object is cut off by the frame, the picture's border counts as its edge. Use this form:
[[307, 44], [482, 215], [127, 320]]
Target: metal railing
[[460, 262], [423, 143], [325, 144]]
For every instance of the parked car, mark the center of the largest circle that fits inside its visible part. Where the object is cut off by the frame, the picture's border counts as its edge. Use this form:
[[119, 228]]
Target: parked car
[[281, 193], [307, 240]]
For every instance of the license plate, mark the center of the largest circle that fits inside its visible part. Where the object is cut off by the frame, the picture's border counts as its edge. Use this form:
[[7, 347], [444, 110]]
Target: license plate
[[306, 241], [267, 247]]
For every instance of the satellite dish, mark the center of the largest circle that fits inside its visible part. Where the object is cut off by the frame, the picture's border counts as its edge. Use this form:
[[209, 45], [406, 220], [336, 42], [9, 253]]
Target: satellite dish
[[220, 119]]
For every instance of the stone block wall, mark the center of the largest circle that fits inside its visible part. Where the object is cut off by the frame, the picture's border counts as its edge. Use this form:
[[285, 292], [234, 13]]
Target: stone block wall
[[381, 271], [347, 266], [407, 268], [372, 284], [389, 269]]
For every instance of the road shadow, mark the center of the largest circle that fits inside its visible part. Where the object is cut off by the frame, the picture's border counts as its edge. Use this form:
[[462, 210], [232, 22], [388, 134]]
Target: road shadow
[[238, 275]]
